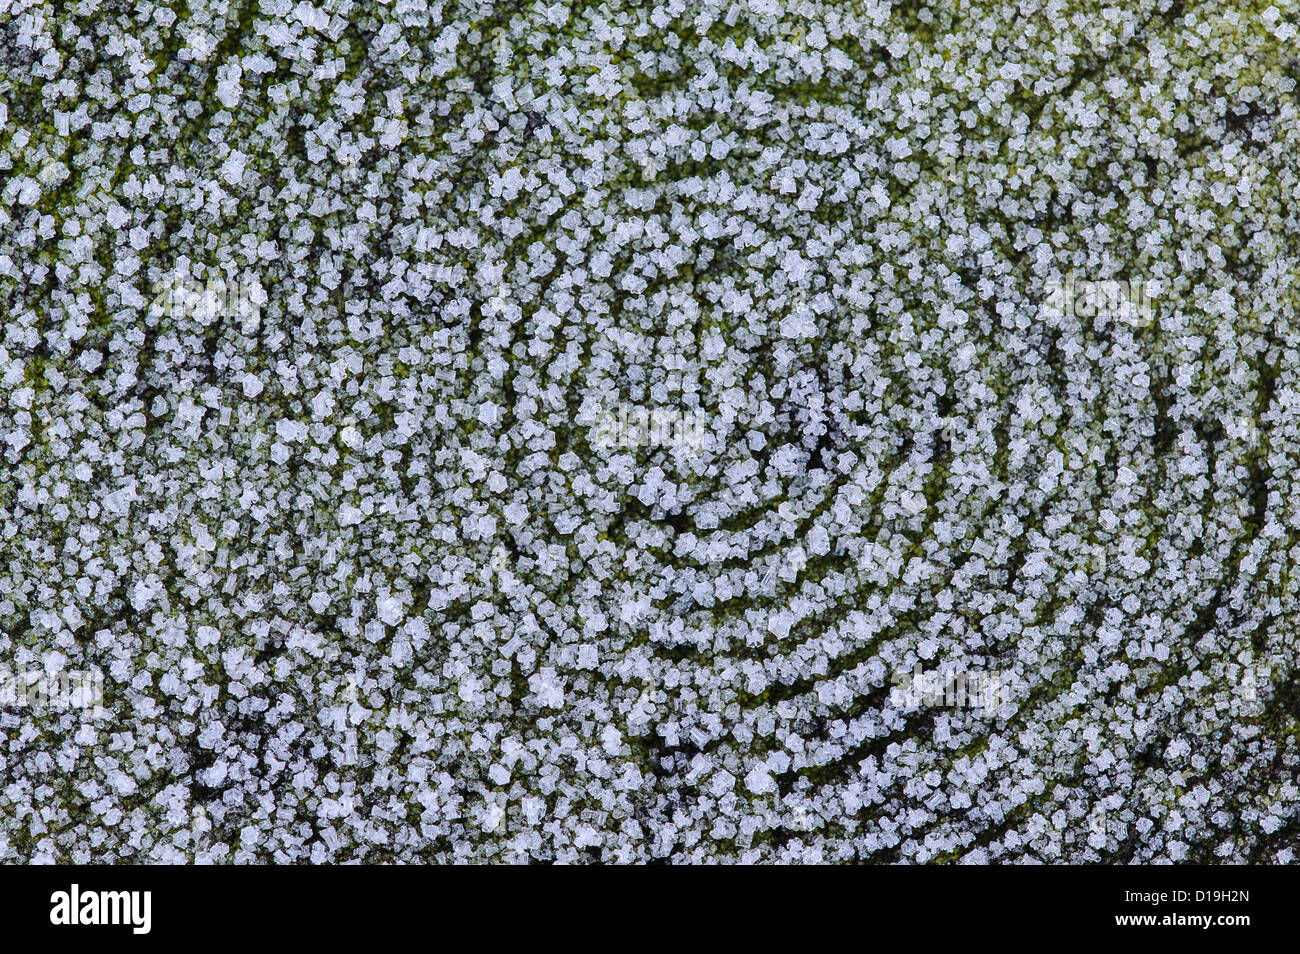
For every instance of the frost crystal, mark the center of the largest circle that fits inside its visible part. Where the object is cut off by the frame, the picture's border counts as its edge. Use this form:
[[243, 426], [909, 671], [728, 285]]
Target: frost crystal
[[434, 432]]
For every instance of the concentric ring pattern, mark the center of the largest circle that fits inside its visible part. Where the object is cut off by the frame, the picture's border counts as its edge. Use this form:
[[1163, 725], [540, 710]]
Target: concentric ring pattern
[[638, 404]]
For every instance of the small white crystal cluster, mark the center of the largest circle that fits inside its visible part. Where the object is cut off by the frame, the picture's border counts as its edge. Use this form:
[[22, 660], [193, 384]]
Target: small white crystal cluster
[[364, 585]]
